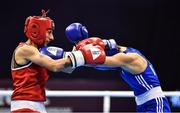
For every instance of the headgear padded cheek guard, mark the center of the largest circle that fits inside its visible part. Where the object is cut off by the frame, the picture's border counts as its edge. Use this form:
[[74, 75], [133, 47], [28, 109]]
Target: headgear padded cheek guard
[[36, 27]]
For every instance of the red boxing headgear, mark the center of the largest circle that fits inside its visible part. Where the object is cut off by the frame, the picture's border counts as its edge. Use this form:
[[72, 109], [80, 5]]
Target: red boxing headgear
[[36, 26]]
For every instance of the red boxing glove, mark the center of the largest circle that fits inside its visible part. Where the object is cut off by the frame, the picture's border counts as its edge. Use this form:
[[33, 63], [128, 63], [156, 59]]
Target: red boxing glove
[[93, 54], [87, 54], [93, 41]]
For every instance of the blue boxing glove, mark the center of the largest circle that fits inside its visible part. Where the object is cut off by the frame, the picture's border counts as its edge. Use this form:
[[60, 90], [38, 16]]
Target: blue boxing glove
[[76, 32], [53, 52], [111, 47], [110, 44]]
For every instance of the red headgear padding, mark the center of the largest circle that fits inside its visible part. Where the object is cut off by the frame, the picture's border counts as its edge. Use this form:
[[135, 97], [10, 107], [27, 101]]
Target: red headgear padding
[[36, 26]]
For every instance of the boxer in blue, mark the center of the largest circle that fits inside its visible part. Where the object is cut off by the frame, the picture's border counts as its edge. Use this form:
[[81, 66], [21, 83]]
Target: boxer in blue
[[135, 69], [133, 66]]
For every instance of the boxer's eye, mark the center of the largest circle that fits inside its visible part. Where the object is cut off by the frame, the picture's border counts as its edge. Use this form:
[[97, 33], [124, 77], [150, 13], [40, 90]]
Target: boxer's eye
[[50, 31]]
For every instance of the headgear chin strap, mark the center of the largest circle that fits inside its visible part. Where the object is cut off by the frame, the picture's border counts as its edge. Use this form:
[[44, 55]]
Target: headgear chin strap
[[36, 27]]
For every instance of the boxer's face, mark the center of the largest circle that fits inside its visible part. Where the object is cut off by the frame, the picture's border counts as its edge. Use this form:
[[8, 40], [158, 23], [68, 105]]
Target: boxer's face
[[49, 36]]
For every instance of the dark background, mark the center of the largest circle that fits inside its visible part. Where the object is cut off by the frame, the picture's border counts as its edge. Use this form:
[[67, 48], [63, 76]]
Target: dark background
[[148, 25], [152, 26]]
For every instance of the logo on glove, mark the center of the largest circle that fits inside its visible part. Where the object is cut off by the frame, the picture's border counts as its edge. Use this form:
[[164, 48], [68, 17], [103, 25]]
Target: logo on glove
[[95, 52], [53, 50]]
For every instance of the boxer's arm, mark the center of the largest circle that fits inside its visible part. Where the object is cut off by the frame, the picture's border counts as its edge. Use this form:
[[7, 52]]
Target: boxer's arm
[[131, 62], [56, 53], [31, 53], [74, 59]]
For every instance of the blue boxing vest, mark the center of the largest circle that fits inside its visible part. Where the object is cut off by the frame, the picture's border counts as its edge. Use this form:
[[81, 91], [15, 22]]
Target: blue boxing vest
[[140, 83]]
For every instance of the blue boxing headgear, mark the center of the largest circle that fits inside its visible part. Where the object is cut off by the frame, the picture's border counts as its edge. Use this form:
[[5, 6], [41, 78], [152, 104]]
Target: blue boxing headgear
[[76, 32]]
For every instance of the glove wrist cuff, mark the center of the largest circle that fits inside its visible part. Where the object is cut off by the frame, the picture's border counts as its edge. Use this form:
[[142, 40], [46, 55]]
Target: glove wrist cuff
[[77, 58]]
